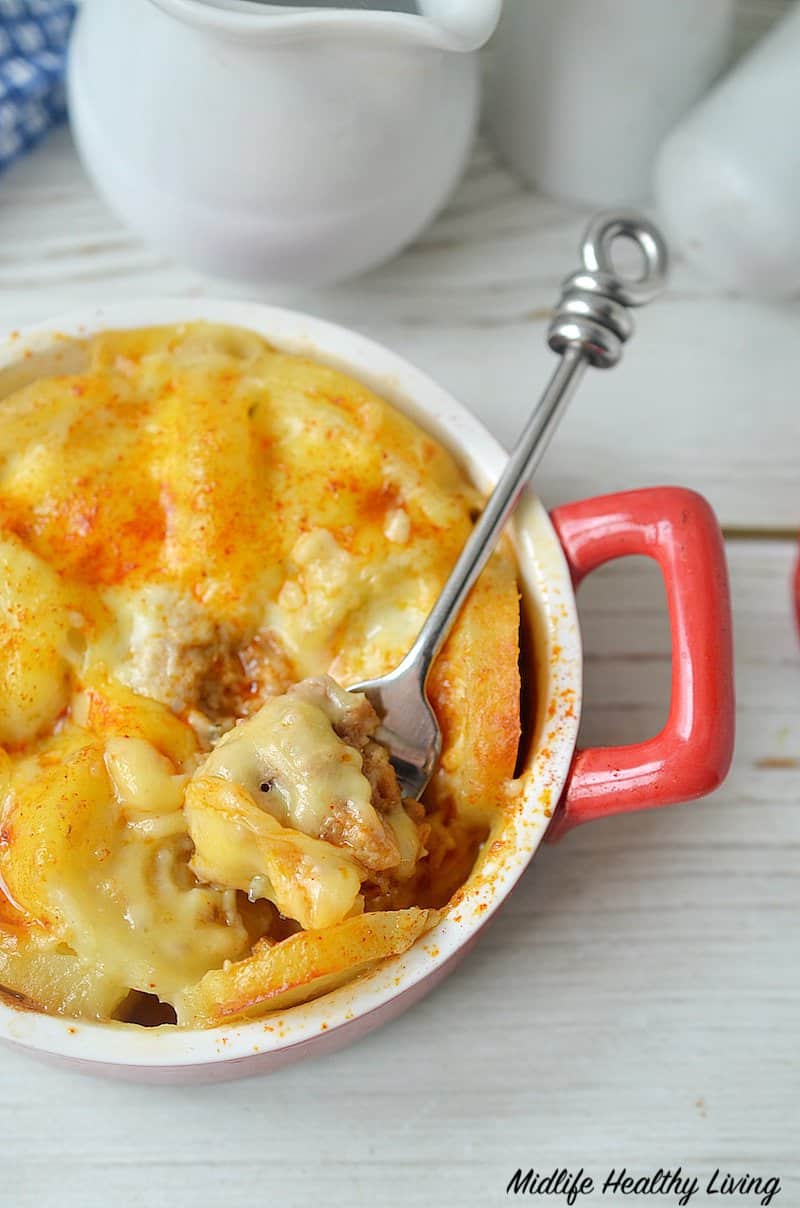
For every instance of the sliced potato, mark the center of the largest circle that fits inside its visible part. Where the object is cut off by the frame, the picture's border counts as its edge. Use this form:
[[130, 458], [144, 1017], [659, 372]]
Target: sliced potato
[[318, 778], [302, 967], [58, 830], [110, 905], [33, 639], [43, 976], [474, 688], [106, 707], [142, 777], [236, 844]]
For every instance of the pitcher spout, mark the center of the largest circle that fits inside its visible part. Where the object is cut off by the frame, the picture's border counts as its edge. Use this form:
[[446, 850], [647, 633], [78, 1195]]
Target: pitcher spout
[[456, 25]]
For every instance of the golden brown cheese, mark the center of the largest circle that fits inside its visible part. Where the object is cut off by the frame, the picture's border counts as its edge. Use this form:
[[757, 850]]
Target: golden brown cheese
[[189, 525]]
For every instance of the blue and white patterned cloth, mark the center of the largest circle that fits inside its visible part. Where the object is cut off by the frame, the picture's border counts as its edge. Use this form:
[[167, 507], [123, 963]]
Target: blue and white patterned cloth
[[33, 51]]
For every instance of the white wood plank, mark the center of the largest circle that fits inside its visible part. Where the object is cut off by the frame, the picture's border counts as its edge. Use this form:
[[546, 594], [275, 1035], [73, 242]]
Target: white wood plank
[[704, 397], [635, 1004]]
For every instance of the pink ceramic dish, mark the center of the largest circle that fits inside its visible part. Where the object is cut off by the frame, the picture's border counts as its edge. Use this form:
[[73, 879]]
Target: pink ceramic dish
[[559, 786]]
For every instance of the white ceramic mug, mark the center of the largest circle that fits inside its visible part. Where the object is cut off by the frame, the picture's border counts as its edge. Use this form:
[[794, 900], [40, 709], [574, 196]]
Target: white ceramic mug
[[582, 92]]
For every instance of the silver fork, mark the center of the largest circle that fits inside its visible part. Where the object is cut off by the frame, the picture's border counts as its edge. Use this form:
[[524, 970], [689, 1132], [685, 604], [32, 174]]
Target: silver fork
[[589, 327]]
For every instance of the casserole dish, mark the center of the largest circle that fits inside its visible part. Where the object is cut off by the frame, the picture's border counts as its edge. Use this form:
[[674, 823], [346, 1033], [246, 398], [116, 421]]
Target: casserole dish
[[556, 788]]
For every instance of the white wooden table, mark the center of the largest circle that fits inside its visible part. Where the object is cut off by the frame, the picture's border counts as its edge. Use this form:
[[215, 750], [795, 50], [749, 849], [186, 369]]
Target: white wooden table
[[636, 1004]]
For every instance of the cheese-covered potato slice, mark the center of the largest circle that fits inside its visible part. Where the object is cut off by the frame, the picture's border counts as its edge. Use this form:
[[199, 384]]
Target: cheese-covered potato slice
[[58, 830], [474, 688], [106, 707], [283, 807], [35, 623], [239, 845], [277, 976], [289, 757], [38, 970], [106, 881], [201, 539]]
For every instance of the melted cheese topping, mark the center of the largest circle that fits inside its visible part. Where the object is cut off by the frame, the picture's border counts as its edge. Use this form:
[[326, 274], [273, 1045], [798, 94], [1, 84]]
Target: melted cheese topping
[[289, 756], [191, 523]]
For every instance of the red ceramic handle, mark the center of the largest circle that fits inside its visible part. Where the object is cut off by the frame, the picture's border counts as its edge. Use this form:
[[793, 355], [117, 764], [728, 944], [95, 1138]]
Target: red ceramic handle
[[692, 753]]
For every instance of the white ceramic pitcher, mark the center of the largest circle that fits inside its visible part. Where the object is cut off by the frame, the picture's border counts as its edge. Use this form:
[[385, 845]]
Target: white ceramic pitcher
[[291, 143]]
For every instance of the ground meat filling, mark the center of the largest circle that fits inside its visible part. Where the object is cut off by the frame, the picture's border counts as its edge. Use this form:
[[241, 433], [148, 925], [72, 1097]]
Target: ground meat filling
[[355, 722], [356, 727], [377, 767]]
